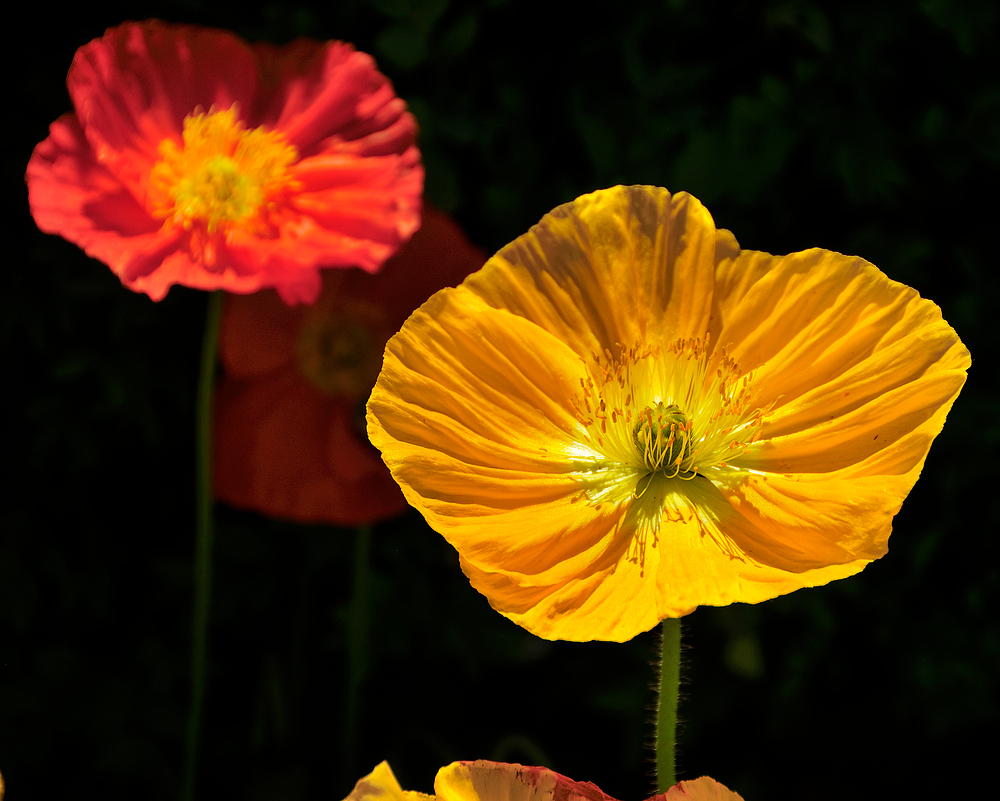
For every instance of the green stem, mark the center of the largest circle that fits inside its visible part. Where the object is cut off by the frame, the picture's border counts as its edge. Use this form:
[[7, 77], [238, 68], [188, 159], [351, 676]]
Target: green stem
[[358, 616], [203, 538], [666, 706]]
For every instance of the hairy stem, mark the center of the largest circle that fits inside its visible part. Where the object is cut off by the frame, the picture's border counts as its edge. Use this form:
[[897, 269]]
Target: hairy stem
[[666, 706]]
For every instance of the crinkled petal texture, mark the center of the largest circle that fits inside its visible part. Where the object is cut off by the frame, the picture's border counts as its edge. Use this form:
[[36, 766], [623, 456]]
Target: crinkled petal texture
[[497, 781], [288, 448], [479, 414], [351, 196]]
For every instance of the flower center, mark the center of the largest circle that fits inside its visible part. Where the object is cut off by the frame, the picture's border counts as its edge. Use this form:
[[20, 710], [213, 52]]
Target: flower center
[[680, 410], [222, 174], [663, 436], [341, 352]]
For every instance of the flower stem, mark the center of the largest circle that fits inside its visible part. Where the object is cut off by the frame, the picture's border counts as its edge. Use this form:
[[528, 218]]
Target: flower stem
[[203, 538], [666, 706], [358, 617]]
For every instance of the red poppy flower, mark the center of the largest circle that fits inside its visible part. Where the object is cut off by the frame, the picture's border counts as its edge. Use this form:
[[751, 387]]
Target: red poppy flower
[[193, 157], [289, 419]]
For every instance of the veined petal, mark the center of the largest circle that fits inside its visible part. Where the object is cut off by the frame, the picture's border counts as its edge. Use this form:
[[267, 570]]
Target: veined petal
[[332, 87], [925, 358], [714, 556], [827, 315], [801, 512], [491, 383], [836, 442], [611, 268]]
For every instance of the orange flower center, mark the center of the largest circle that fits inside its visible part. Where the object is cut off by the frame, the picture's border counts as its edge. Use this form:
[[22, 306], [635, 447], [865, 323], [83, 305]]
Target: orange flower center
[[222, 174], [678, 411], [341, 352]]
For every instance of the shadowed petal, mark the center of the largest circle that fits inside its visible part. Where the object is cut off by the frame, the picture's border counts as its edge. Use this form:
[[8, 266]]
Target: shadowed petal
[[289, 408], [269, 455], [610, 268]]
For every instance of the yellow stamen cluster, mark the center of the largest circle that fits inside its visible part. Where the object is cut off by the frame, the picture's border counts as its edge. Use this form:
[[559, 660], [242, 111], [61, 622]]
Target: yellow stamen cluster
[[681, 410], [663, 435], [221, 175]]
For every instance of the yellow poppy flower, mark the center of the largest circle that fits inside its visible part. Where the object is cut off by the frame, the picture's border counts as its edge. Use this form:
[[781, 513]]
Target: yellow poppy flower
[[623, 416]]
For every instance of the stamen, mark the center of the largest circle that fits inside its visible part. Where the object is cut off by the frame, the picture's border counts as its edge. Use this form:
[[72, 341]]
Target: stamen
[[222, 175], [695, 410]]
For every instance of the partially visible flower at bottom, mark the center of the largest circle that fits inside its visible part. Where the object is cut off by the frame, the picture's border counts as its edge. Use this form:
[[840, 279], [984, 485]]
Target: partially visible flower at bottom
[[289, 411], [499, 781]]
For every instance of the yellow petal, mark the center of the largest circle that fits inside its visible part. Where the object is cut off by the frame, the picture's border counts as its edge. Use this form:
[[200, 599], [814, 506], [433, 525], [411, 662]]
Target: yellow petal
[[825, 333], [497, 781], [381, 785], [705, 553], [835, 442], [612, 267], [472, 415]]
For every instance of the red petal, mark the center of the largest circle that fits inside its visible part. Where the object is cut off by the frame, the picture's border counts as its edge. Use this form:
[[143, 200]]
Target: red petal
[[73, 195], [285, 449], [258, 333], [135, 85], [317, 88]]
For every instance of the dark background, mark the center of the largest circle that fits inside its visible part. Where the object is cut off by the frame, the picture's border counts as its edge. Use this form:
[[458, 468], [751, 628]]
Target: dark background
[[867, 128]]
